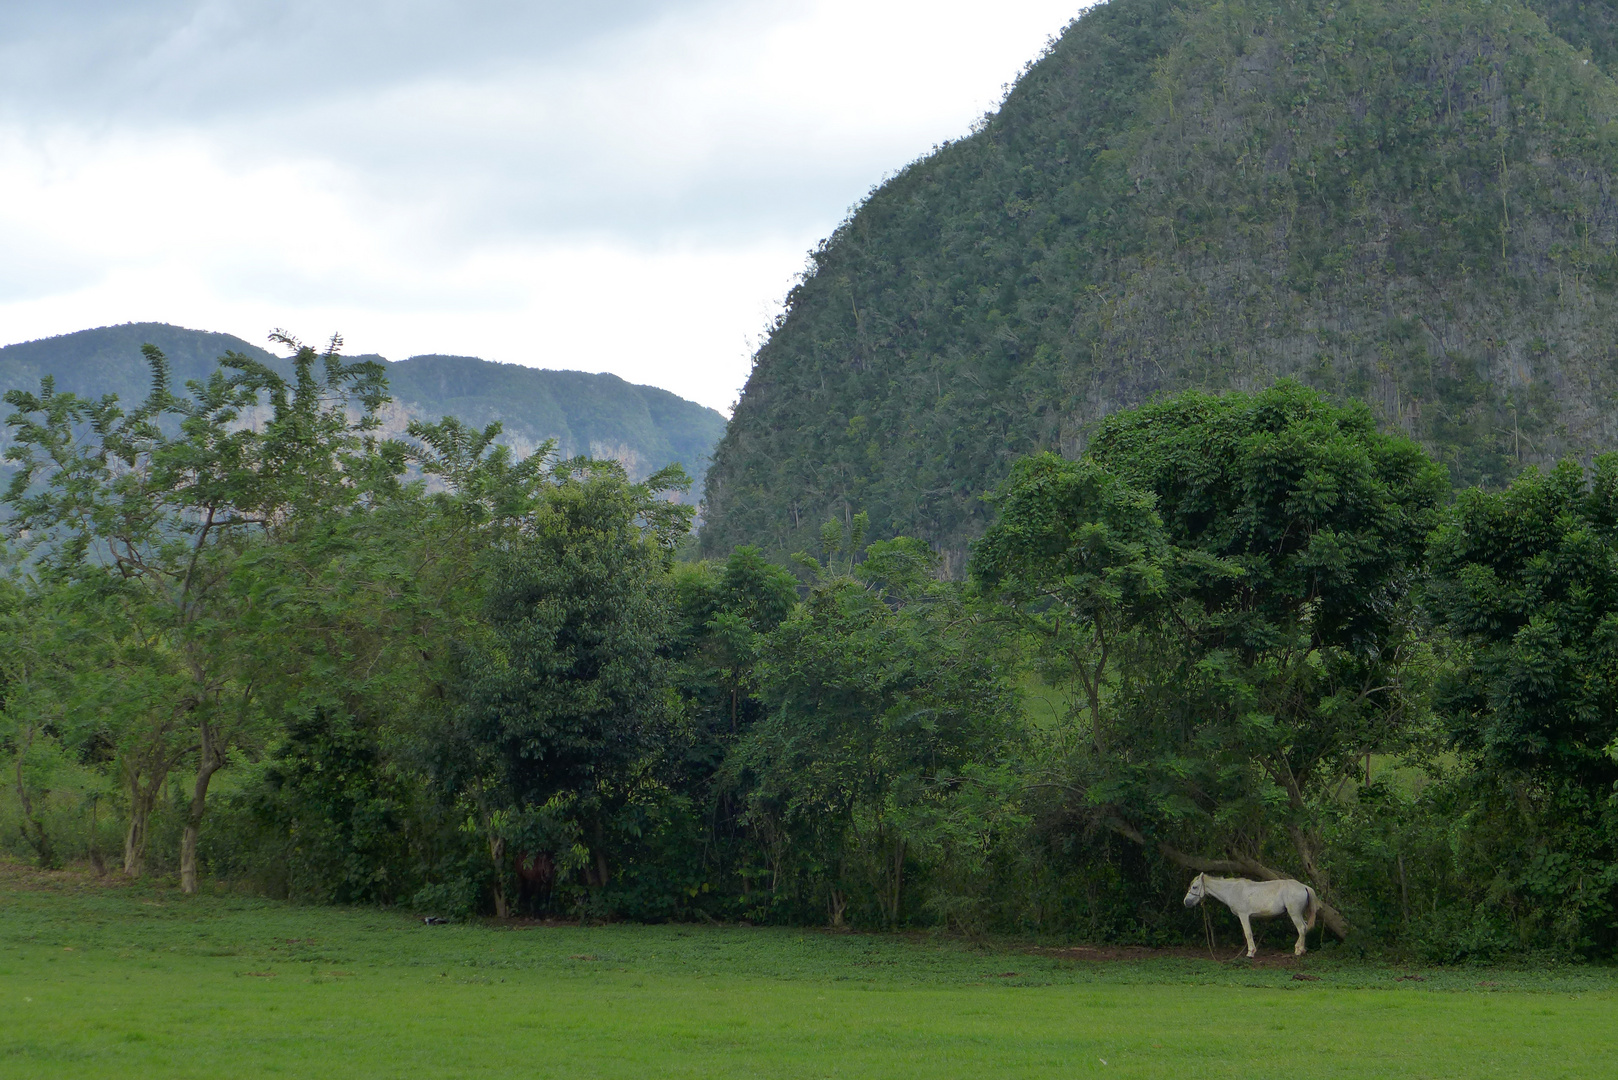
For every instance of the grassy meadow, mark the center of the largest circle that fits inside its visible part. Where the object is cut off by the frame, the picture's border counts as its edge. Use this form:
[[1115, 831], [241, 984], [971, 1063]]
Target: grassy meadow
[[138, 981]]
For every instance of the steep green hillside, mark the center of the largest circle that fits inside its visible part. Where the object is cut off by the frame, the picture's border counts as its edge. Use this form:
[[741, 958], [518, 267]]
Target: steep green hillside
[[1407, 202], [107, 360], [599, 415]]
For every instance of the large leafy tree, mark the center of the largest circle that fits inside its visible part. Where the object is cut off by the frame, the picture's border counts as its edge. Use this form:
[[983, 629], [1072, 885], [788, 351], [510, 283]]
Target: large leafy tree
[[1291, 533], [1526, 582], [1082, 556], [562, 696], [356, 613], [1527, 579], [883, 695], [168, 497], [119, 685], [726, 614]]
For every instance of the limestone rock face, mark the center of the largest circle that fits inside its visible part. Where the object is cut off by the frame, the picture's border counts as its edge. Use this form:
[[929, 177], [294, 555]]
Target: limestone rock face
[[1411, 203]]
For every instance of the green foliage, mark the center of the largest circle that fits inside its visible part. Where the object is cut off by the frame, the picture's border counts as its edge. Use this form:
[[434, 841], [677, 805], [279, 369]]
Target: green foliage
[[562, 700], [333, 815], [1265, 637], [884, 704], [1292, 515], [726, 611], [446, 674], [1393, 201], [1527, 582], [1469, 869], [157, 521], [725, 614], [1081, 554]]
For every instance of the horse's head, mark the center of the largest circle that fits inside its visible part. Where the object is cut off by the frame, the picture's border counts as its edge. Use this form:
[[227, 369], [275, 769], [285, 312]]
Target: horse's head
[[1198, 889]]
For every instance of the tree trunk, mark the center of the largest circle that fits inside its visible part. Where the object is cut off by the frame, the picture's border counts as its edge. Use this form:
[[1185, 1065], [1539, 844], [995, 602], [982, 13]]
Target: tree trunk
[[1329, 915], [1306, 854], [497, 855], [38, 838], [141, 800], [135, 839], [95, 849], [602, 870], [146, 769], [898, 883], [835, 903], [210, 759]]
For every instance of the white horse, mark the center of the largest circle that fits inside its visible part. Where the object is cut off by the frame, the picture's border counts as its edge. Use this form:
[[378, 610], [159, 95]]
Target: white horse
[[1265, 899]]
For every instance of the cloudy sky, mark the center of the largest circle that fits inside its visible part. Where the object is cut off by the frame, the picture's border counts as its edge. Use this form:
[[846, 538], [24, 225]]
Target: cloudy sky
[[608, 185]]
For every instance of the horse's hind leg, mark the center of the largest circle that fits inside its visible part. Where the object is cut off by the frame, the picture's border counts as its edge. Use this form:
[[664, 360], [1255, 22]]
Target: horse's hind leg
[[1247, 928], [1303, 931]]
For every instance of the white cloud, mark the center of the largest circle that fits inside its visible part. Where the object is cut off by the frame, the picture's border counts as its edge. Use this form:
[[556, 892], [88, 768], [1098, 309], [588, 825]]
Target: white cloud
[[638, 201]]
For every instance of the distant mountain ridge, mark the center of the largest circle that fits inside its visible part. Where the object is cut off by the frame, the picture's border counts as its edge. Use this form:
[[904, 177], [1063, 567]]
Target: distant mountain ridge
[[600, 416]]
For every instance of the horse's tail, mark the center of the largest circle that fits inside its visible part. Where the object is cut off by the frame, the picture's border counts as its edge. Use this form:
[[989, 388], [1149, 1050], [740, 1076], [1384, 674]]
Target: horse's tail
[[1311, 907]]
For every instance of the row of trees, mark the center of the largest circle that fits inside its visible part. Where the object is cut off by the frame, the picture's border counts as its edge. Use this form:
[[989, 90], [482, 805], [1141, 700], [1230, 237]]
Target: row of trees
[[1246, 634]]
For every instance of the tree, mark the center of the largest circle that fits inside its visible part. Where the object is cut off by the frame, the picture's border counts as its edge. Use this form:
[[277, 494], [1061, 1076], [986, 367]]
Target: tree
[[726, 612], [29, 712], [560, 698], [128, 683], [168, 498], [882, 694], [1526, 582], [1293, 534], [1081, 555]]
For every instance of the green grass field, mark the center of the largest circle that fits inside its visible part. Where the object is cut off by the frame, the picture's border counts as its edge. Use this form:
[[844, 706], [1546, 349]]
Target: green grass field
[[140, 981]]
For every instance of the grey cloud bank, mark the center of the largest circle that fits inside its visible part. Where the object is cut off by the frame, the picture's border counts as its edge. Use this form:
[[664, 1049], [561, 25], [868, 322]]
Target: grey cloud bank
[[167, 60], [626, 186]]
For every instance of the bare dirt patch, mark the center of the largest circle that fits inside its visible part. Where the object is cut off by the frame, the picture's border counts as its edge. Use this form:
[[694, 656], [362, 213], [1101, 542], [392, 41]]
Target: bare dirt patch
[[76, 876], [1134, 954]]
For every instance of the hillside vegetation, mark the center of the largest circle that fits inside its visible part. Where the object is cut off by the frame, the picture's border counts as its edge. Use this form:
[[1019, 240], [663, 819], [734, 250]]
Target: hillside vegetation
[[1406, 203], [601, 416]]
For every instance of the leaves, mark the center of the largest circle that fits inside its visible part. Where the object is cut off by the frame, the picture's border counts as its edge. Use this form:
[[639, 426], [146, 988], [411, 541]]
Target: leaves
[[1245, 563]]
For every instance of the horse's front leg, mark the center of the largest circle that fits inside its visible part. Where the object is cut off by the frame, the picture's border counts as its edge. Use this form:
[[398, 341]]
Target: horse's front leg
[[1247, 928]]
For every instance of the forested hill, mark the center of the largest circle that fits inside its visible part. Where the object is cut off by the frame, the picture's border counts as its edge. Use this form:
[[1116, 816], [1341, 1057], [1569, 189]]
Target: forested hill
[[599, 415], [1411, 203]]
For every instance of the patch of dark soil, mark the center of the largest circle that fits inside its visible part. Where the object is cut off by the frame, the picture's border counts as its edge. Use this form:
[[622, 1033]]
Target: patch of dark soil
[[1127, 954], [75, 876], [536, 922]]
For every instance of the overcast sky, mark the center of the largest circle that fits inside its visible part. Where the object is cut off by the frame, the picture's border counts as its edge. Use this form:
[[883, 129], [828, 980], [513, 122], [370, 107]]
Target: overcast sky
[[608, 185]]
